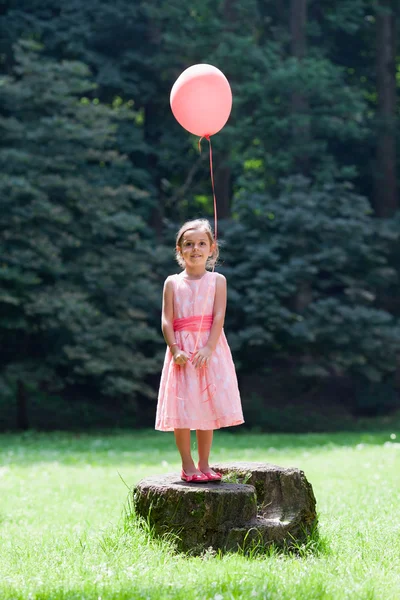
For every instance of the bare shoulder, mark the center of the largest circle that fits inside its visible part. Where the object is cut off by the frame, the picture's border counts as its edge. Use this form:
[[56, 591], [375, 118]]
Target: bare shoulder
[[220, 282], [169, 283], [220, 279]]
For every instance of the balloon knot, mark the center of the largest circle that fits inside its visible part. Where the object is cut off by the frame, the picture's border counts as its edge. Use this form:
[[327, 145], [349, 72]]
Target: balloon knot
[[207, 137]]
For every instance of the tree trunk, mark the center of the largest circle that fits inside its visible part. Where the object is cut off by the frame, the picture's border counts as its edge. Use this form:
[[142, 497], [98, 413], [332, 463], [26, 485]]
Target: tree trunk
[[223, 189], [223, 173], [22, 407], [301, 130], [229, 12], [300, 109], [385, 200], [298, 22], [151, 136]]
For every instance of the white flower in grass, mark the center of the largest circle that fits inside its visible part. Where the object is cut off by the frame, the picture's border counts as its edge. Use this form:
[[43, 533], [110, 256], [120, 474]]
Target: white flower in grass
[[395, 445]]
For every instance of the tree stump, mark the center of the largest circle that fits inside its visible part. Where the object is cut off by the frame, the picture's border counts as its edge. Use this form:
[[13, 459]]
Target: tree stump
[[256, 504]]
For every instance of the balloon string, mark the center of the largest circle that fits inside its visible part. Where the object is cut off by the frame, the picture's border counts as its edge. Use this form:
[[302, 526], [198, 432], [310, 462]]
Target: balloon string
[[215, 230], [212, 184]]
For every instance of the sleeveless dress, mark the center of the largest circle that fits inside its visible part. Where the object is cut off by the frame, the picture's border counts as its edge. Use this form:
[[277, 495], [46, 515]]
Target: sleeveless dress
[[206, 397]]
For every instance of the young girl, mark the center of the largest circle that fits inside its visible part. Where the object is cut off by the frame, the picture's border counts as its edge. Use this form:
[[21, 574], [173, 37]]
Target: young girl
[[198, 388]]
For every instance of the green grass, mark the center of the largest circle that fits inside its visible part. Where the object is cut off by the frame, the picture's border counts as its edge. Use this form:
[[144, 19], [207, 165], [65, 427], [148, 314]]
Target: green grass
[[63, 533]]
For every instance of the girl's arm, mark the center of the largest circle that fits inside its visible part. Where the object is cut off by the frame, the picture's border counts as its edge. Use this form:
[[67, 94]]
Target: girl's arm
[[167, 315], [167, 323], [203, 355], [219, 310]]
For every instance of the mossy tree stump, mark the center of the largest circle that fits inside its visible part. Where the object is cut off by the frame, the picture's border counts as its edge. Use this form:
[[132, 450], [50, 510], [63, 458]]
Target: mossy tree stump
[[257, 503]]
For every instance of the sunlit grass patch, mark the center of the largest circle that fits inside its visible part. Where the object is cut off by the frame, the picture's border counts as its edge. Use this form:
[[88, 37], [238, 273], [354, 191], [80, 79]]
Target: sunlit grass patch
[[67, 529]]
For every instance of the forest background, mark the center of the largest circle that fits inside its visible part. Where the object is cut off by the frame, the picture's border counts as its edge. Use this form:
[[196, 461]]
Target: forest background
[[97, 176]]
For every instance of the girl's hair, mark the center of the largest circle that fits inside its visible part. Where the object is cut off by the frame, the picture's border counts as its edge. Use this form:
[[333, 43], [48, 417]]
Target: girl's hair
[[197, 225]]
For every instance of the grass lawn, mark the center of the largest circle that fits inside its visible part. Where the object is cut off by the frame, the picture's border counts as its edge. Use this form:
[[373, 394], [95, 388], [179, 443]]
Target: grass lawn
[[63, 532]]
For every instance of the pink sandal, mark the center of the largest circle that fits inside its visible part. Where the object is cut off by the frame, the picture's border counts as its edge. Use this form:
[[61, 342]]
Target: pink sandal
[[213, 476], [195, 478]]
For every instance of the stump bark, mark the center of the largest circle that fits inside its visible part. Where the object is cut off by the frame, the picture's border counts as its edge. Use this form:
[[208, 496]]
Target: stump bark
[[256, 504]]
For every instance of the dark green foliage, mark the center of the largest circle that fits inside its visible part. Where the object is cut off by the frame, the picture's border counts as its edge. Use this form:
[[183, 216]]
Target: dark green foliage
[[80, 296], [97, 176], [306, 268]]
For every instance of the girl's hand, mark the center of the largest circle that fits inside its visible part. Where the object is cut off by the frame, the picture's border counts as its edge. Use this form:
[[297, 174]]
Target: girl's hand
[[180, 357], [202, 357]]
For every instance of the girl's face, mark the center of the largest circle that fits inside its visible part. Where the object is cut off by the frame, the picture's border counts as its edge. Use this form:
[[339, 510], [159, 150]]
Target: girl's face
[[195, 248]]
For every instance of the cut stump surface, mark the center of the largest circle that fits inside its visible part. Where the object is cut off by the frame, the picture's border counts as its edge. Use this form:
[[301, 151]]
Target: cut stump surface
[[258, 503]]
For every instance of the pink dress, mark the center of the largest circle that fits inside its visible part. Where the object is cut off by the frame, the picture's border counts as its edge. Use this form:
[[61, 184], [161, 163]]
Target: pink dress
[[207, 397]]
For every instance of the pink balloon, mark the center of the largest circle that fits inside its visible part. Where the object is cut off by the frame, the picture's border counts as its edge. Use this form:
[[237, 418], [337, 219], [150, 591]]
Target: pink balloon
[[201, 99]]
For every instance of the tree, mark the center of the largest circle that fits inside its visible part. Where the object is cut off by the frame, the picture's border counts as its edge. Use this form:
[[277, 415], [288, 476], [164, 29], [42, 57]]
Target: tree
[[78, 274], [305, 101], [324, 236]]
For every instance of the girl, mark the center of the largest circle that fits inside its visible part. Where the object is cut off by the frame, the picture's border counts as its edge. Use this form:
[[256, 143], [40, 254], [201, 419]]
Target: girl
[[198, 388]]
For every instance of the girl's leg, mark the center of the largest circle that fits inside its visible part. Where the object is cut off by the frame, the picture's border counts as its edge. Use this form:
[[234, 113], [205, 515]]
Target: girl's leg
[[204, 443], [182, 440]]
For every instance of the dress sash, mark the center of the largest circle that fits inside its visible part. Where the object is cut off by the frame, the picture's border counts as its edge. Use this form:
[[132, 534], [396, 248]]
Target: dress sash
[[195, 323]]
